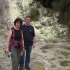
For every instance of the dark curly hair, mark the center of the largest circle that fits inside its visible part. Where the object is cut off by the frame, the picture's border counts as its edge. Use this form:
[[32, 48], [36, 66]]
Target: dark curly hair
[[18, 19]]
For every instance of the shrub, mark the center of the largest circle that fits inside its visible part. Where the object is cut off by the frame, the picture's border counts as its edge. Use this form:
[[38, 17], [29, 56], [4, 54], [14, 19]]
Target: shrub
[[34, 13]]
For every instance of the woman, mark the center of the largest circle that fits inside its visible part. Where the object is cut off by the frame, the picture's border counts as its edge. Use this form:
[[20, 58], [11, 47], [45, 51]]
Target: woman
[[15, 43]]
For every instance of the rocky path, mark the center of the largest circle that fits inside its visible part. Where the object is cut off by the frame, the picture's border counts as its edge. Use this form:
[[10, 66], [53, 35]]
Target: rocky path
[[46, 56], [5, 62]]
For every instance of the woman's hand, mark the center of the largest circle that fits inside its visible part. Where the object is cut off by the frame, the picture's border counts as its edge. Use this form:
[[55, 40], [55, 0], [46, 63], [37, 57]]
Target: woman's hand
[[7, 50], [23, 50]]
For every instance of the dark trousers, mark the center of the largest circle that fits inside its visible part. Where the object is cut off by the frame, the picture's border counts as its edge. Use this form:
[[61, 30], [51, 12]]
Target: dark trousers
[[26, 59]]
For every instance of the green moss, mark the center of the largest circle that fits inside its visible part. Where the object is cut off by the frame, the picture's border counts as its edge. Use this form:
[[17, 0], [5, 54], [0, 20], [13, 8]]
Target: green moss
[[65, 53], [68, 69], [68, 48], [65, 63]]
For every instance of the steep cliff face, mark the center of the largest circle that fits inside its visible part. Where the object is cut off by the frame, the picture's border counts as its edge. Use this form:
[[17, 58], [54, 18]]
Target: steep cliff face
[[4, 10], [4, 17]]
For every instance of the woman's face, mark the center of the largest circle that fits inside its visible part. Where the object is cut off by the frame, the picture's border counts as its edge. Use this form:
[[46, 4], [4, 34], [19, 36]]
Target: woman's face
[[18, 24]]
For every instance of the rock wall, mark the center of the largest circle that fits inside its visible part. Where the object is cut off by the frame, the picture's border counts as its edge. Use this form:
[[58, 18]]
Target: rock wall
[[4, 19], [4, 10]]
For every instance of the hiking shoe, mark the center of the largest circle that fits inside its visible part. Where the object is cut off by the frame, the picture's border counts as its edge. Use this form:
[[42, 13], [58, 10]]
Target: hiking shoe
[[20, 68], [27, 67]]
